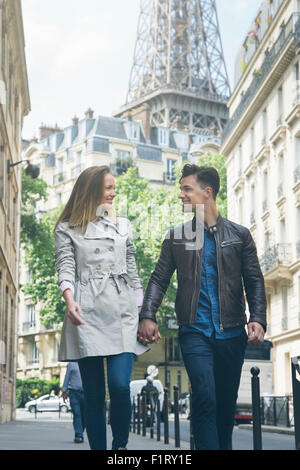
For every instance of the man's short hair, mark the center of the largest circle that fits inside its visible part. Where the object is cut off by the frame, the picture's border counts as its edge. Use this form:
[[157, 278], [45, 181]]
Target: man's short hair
[[206, 176]]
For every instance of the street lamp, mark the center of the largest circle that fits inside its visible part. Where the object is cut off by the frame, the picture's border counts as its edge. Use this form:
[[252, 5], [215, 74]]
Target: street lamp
[[32, 170]]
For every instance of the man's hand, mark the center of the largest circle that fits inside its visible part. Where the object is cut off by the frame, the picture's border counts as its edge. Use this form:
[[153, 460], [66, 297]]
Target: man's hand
[[148, 332], [256, 333], [65, 396]]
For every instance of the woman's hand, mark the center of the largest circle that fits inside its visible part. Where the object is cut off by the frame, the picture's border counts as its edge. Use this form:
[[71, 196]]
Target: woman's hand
[[73, 309], [74, 313]]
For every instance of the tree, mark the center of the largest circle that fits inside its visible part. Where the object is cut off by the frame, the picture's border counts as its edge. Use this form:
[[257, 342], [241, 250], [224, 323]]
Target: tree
[[38, 245]]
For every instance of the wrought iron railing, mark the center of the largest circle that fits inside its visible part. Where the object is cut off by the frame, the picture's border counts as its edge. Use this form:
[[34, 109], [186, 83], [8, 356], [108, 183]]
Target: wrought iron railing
[[280, 254], [28, 326], [291, 28], [58, 178], [277, 411]]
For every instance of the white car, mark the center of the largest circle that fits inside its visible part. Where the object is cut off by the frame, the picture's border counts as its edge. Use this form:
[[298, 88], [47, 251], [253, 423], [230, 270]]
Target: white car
[[48, 403]]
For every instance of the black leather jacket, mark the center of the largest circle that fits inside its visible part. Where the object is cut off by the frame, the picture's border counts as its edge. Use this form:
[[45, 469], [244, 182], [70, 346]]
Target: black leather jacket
[[238, 269]]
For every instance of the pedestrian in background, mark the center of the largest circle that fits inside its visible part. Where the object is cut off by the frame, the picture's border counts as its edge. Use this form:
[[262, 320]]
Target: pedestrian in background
[[97, 274], [73, 385]]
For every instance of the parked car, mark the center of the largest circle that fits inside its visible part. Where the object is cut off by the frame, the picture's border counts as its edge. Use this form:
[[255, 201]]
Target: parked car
[[243, 413], [48, 403], [137, 385]]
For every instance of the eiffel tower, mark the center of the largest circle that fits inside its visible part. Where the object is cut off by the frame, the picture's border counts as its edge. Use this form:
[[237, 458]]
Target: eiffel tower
[[178, 78]]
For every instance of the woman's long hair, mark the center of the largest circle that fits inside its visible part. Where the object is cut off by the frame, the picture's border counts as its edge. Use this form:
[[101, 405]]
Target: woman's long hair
[[81, 207]]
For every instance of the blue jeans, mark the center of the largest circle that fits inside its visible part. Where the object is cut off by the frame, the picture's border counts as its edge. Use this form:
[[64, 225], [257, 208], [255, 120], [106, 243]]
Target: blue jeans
[[214, 368], [77, 405], [119, 369]]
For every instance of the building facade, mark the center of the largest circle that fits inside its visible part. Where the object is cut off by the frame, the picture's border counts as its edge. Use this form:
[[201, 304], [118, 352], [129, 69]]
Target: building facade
[[62, 155], [14, 105], [262, 144]]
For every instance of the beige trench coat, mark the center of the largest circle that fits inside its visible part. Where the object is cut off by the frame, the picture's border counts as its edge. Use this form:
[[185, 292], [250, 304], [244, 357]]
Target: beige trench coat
[[100, 264]]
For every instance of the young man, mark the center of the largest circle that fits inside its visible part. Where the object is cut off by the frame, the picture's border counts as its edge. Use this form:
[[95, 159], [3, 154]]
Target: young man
[[210, 304]]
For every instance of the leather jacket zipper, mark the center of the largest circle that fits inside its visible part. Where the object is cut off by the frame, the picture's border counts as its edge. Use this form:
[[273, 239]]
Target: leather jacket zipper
[[220, 306]]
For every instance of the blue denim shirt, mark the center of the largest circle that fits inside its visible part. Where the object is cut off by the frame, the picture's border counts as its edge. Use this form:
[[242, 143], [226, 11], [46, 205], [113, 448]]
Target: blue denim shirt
[[208, 314], [72, 378]]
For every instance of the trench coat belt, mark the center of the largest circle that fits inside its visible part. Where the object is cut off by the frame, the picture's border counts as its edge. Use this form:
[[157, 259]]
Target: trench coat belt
[[116, 278]]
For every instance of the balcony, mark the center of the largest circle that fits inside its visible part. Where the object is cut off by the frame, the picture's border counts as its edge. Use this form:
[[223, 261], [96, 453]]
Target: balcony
[[58, 178], [274, 64], [275, 261], [29, 327]]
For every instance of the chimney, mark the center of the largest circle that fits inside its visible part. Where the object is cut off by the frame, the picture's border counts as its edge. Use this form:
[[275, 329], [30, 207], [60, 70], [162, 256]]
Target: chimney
[[89, 114], [45, 130], [75, 121]]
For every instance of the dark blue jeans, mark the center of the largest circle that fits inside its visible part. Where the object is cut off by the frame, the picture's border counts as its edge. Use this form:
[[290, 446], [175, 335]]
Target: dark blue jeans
[[77, 405], [214, 368], [119, 369]]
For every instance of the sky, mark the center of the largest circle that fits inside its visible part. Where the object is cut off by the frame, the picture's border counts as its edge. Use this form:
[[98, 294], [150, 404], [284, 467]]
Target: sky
[[79, 54]]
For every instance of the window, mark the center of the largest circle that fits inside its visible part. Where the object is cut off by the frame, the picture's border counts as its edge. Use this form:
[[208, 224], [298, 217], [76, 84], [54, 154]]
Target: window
[[240, 161], [282, 231], [33, 353], [122, 161], [280, 105], [240, 209], [174, 350], [265, 126], [163, 136], [170, 176], [284, 297], [297, 88], [280, 188], [252, 214], [252, 142], [12, 340], [132, 130], [265, 190]]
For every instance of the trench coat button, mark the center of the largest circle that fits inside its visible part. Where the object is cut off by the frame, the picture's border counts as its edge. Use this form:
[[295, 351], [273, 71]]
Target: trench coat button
[[97, 250]]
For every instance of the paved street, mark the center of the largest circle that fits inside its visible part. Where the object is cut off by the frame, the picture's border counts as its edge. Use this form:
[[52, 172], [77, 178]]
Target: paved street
[[48, 432]]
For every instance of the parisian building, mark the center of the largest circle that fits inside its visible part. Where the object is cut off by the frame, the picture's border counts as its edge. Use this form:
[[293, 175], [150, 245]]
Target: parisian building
[[62, 154], [14, 105], [262, 145]]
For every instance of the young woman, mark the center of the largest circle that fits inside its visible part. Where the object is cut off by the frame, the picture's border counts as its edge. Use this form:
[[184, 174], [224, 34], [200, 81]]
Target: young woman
[[97, 274]]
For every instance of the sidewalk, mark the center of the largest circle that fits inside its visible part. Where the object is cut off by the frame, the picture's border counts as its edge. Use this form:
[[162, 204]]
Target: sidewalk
[[272, 429], [50, 433]]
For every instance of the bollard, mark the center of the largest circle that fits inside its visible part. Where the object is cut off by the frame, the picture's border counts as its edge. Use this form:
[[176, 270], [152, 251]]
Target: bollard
[[296, 398], [176, 416], [192, 441], [257, 438], [158, 417], [133, 415], [139, 413], [144, 412], [166, 415], [152, 401]]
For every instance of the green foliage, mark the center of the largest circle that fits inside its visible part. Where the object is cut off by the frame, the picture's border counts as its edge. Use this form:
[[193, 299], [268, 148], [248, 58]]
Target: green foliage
[[32, 388], [38, 243]]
